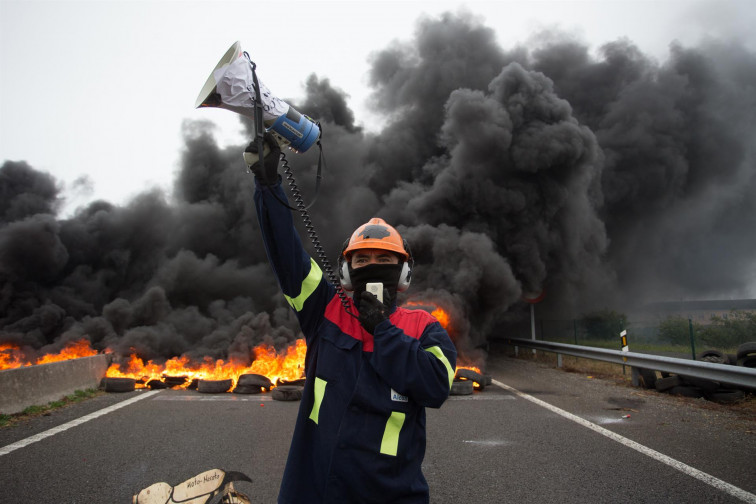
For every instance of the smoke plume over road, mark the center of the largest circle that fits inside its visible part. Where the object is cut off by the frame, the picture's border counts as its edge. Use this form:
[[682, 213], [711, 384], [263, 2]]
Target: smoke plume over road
[[608, 180]]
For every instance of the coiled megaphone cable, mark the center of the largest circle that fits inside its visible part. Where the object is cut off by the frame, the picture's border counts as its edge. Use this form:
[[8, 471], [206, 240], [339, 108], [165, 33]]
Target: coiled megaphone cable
[[313, 235], [296, 194]]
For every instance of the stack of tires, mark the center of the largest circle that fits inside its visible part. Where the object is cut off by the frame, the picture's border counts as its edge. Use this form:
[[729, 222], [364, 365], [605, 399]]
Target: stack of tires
[[689, 386], [467, 380]]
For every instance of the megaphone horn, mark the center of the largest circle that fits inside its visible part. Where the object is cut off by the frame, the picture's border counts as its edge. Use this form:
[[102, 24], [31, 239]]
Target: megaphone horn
[[231, 86]]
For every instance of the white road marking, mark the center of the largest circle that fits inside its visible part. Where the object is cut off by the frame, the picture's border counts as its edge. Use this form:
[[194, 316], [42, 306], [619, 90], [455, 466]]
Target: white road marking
[[717, 483], [486, 442], [73, 423], [218, 397], [480, 397]]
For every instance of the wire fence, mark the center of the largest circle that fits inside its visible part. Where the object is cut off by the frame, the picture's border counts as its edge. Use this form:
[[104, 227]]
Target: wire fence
[[673, 337]]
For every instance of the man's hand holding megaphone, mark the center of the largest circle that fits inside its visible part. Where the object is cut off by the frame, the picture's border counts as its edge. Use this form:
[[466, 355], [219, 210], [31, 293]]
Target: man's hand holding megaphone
[[267, 171]]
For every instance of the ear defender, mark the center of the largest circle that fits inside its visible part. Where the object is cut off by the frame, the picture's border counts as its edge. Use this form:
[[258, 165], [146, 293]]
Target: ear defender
[[405, 277], [343, 266]]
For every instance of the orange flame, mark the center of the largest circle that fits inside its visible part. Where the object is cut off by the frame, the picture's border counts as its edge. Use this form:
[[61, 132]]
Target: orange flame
[[12, 356], [438, 312], [445, 320], [472, 368], [287, 366], [442, 317], [72, 350]]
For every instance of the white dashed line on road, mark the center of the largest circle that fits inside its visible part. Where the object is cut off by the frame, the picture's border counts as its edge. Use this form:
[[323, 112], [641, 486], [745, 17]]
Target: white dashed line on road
[[717, 483]]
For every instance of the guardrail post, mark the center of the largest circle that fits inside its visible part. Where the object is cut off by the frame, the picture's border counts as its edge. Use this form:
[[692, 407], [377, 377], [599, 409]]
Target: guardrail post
[[635, 376], [559, 360]]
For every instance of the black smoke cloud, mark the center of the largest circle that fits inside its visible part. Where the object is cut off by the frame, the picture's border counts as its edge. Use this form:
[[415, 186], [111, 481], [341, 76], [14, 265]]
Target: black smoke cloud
[[607, 180]]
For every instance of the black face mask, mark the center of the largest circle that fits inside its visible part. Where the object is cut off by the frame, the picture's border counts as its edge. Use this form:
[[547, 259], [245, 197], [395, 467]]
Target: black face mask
[[387, 274]]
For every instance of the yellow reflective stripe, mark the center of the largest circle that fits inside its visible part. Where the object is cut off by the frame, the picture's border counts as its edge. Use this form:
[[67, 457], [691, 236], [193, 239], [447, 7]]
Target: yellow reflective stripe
[[435, 350], [308, 286], [320, 386], [390, 441]]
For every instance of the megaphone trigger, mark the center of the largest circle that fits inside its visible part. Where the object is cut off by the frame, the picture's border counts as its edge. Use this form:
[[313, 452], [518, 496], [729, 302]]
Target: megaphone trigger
[[264, 167], [251, 153], [252, 158]]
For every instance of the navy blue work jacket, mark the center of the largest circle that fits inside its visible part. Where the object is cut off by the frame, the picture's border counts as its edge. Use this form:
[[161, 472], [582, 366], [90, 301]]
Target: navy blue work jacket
[[360, 430]]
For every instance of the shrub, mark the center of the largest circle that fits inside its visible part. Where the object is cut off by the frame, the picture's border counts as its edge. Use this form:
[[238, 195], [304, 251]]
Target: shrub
[[676, 330], [727, 332], [603, 325]]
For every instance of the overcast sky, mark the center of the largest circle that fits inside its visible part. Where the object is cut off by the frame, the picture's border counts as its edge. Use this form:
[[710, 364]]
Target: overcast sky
[[100, 89]]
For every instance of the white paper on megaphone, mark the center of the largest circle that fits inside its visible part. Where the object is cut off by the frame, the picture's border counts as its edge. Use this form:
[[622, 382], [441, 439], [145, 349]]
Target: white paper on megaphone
[[236, 87]]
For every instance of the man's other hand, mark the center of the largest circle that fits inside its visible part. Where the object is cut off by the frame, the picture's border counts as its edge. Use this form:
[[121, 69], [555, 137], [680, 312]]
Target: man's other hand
[[372, 311]]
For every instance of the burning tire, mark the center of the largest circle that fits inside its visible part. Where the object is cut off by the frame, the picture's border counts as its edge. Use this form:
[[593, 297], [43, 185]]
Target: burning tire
[[118, 384], [174, 381], [461, 387], [287, 393], [248, 389], [472, 376], [214, 386], [156, 385], [299, 382], [252, 384]]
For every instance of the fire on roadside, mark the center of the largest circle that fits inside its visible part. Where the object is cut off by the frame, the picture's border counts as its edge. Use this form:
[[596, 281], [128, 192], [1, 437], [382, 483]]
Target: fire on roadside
[[285, 366], [277, 367], [13, 356], [444, 319]]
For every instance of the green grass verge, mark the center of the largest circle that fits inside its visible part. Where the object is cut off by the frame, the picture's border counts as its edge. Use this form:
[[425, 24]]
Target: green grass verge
[[32, 411]]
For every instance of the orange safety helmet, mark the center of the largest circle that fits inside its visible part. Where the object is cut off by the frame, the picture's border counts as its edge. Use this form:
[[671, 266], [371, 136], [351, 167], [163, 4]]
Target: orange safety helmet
[[376, 234]]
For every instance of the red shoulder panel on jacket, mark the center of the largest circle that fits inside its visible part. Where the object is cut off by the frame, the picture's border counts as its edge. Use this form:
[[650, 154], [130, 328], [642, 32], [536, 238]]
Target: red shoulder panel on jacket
[[412, 322]]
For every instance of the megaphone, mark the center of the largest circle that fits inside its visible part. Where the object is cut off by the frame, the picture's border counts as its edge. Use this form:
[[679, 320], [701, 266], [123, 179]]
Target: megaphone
[[231, 86]]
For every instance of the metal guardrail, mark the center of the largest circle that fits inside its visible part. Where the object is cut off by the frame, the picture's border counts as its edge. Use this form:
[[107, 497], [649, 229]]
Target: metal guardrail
[[723, 373]]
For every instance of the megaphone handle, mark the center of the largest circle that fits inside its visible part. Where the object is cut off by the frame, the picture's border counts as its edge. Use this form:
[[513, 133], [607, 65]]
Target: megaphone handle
[[252, 158], [259, 125]]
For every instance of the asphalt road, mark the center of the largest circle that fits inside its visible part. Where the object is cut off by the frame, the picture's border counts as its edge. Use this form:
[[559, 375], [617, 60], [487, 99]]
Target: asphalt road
[[499, 445]]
